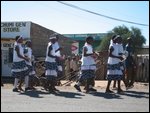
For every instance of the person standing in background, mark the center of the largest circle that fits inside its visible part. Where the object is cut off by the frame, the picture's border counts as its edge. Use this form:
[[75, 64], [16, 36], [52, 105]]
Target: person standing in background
[[130, 64], [67, 67], [73, 66], [28, 53]]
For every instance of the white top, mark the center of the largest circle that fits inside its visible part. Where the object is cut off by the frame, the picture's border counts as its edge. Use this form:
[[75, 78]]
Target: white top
[[111, 43], [112, 60], [29, 55], [56, 47], [15, 56], [88, 60], [120, 48], [50, 59]]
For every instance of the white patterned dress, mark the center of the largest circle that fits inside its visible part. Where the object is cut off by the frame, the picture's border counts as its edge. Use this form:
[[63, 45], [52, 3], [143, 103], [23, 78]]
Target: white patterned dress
[[114, 71], [88, 65], [19, 67]]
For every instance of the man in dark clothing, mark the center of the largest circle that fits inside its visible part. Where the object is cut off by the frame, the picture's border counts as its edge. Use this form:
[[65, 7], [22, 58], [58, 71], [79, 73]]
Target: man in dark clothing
[[130, 64]]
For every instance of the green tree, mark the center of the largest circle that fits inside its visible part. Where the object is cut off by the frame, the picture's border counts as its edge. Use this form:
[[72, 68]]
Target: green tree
[[124, 32]]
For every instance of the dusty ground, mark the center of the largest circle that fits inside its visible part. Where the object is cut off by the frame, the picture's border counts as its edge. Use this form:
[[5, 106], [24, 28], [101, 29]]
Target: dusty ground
[[98, 84], [69, 100]]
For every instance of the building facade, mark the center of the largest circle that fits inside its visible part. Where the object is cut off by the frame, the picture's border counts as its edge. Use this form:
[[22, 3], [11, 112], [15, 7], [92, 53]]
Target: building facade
[[29, 31], [81, 39]]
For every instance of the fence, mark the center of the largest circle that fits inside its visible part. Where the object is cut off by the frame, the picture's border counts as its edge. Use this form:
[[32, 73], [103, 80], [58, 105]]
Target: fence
[[141, 75], [142, 68], [142, 63]]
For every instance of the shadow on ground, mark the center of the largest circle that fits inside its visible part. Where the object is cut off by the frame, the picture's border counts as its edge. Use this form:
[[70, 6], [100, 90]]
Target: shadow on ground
[[37, 94], [69, 94], [107, 95], [136, 94]]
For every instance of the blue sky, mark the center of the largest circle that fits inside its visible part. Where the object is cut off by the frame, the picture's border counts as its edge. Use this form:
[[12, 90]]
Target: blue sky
[[67, 20]]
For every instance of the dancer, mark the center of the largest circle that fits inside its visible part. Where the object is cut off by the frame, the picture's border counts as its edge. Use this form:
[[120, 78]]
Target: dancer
[[51, 65], [88, 66], [114, 71], [19, 67]]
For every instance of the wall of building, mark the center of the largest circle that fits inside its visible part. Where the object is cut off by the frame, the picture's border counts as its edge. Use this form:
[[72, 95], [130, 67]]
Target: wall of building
[[6, 56], [81, 39], [30, 31], [40, 38]]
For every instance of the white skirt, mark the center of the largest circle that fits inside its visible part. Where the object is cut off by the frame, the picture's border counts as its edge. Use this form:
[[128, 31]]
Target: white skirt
[[114, 72], [51, 73], [88, 67]]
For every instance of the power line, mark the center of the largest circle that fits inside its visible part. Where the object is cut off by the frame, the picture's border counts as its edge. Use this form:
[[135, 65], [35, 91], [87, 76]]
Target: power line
[[81, 17], [116, 11], [76, 7]]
